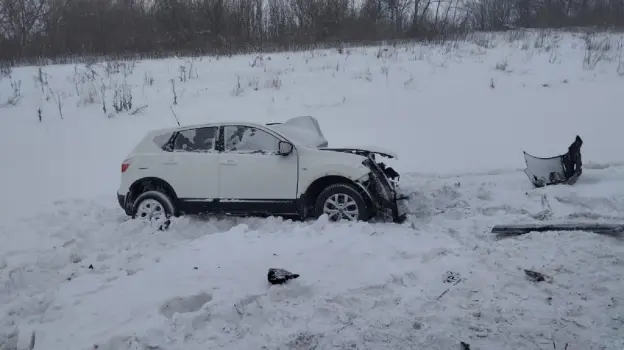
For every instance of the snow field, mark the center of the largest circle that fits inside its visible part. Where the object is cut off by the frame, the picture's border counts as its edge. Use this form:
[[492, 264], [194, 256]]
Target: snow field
[[458, 114]]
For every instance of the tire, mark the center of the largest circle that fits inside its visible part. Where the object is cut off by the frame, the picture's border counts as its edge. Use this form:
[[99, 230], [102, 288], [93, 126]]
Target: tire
[[154, 206], [337, 193]]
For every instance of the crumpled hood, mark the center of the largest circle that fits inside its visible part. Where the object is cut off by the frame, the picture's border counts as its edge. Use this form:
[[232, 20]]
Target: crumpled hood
[[364, 151], [306, 131]]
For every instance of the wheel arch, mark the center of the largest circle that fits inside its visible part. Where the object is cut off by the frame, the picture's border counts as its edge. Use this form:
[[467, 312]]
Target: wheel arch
[[317, 186], [150, 183]]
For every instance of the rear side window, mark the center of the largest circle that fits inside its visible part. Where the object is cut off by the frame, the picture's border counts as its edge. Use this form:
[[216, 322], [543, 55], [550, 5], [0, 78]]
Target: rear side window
[[161, 140], [195, 140]]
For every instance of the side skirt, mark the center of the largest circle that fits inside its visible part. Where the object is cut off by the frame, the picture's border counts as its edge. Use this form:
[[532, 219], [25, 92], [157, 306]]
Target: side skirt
[[245, 207]]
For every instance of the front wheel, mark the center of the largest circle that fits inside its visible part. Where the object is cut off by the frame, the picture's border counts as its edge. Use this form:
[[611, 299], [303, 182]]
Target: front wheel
[[153, 206], [341, 202]]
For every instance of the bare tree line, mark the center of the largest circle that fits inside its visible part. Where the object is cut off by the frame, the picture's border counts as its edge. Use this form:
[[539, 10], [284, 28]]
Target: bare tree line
[[32, 29]]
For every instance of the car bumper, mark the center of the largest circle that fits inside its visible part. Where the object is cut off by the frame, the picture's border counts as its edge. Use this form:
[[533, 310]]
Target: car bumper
[[394, 209], [399, 209], [122, 200], [386, 194], [122, 203]]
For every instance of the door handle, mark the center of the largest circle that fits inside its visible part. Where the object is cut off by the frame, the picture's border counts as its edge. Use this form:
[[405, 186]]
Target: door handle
[[228, 162]]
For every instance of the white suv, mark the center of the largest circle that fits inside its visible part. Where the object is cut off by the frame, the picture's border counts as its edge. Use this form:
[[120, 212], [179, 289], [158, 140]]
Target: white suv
[[239, 168]]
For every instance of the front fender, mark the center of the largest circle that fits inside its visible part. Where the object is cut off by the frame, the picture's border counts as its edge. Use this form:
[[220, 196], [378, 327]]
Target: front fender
[[308, 176]]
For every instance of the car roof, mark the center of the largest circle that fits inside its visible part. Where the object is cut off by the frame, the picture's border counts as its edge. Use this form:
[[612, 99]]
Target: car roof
[[203, 125]]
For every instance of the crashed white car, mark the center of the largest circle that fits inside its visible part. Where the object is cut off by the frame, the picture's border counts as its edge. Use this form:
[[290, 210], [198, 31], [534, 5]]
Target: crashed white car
[[240, 168]]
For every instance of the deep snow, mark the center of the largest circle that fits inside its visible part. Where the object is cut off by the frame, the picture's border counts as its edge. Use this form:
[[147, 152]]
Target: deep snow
[[202, 285]]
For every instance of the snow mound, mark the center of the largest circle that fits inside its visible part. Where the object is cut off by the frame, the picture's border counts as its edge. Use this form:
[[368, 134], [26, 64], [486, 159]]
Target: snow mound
[[439, 279]]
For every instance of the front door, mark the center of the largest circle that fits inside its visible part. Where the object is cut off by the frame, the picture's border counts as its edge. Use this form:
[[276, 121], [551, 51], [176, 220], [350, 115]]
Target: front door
[[253, 176]]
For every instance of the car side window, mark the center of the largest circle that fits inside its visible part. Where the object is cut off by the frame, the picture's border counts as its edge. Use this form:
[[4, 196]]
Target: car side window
[[196, 140], [246, 139]]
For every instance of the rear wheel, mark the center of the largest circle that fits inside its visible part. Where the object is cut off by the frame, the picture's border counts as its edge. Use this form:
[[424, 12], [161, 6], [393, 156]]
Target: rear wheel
[[341, 202], [155, 207]]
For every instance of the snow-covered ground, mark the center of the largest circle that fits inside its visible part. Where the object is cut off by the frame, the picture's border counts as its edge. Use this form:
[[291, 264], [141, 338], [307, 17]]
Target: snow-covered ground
[[78, 274]]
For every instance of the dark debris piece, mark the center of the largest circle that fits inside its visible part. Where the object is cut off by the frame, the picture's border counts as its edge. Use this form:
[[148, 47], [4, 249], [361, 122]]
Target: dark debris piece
[[613, 230], [280, 276], [451, 277], [536, 276], [465, 346]]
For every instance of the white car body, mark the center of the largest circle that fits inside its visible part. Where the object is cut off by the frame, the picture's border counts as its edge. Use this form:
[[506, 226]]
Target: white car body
[[247, 168]]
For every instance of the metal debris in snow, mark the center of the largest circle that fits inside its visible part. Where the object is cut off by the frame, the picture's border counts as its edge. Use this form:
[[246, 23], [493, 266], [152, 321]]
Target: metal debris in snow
[[537, 276], [280, 276]]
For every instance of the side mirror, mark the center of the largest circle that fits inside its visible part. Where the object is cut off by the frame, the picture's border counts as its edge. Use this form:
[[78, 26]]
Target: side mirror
[[284, 148]]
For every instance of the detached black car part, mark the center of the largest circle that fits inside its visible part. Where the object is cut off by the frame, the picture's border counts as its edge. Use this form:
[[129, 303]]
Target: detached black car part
[[562, 169]]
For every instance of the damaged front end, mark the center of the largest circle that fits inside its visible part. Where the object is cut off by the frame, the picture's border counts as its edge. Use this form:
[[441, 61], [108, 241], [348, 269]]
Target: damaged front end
[[382, 185]]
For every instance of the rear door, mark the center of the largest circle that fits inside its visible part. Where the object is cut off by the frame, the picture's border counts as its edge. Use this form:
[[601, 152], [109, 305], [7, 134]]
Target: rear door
[[192, 166]]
